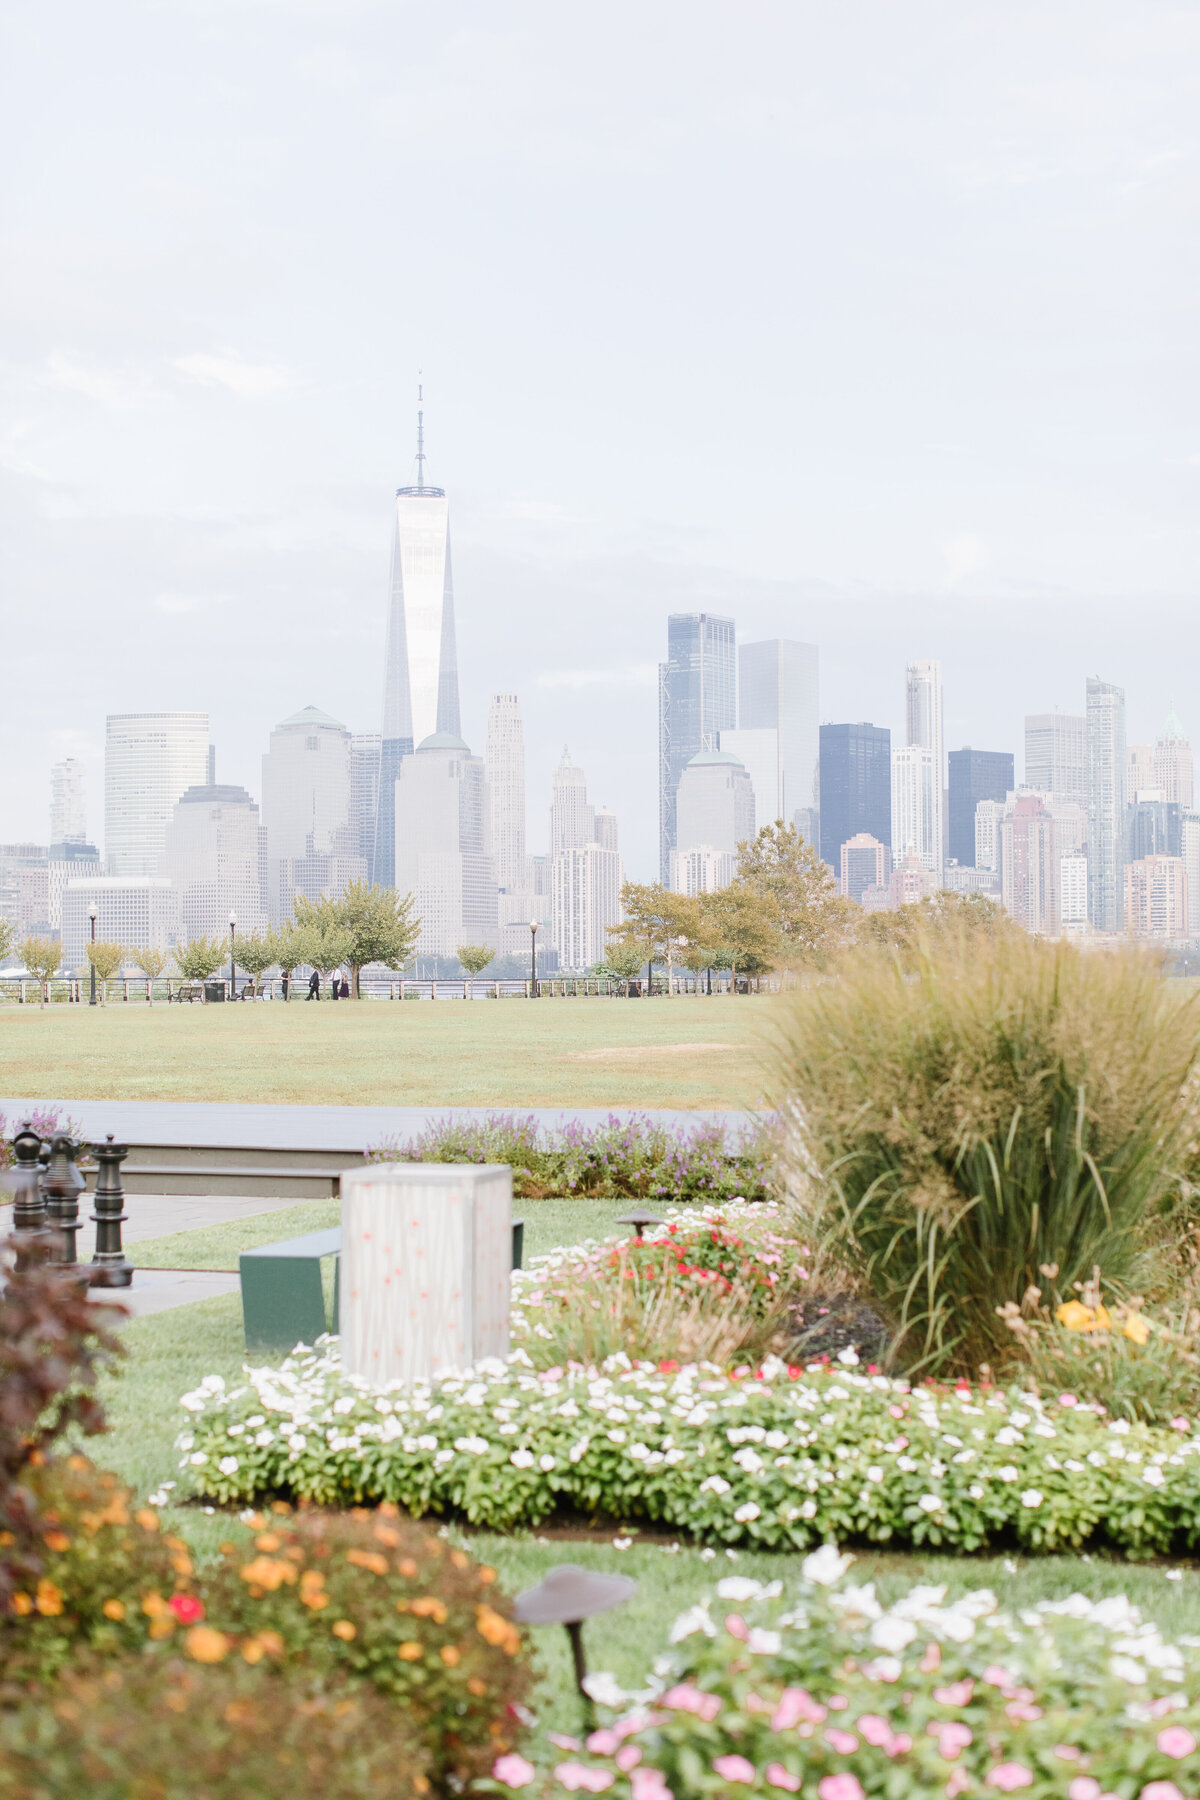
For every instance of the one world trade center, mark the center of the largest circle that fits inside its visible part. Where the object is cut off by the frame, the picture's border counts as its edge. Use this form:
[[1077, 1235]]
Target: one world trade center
[[420, 684]]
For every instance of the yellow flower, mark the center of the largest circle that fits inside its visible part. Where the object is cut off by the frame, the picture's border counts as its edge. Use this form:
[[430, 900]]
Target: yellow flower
[[263, 1643], [496, 1630], [312, 1590], [147, 1518], [1078, 1317], [410, 1652], [204, 1644], [57, 1540], [1135, 1327], [345, 1630], [368, 1559], [49, 1599], [428, 1608], [450, 1656], [267, 1573], [113, 1609], [21, 1604]]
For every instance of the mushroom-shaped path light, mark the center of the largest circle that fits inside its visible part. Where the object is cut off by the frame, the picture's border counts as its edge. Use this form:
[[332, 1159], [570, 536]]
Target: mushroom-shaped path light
[[567, 1597]]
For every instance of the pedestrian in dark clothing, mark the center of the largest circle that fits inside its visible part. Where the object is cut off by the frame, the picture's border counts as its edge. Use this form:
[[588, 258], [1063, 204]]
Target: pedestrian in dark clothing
[[334, 989], [345, 991], [285, 979], [314, 985]]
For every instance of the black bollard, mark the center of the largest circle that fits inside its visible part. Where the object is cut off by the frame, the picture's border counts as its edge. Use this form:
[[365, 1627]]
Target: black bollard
[[109, 1267], [29, 1206], [62, 1185]]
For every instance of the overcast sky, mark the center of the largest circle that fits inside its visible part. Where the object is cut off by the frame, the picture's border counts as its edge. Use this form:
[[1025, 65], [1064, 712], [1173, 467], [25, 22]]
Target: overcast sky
[[872, 324]]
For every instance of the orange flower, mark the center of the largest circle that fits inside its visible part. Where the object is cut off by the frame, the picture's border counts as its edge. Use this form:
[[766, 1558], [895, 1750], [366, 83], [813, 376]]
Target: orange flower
[[312, 1590], [477, 1687], [410, 1652], [1135, 1327], [486, 1574], [450, 1656], [387, 1534], [21, 1604], [56, 1540], [49, 1599], [345, 1630], [429, 1608], [368, 1559], [407, 1566], [263, 1643], [147, 1518], [206, 1645], [270, 1540], [496, 1630], [114, 1609], [267, 1573]]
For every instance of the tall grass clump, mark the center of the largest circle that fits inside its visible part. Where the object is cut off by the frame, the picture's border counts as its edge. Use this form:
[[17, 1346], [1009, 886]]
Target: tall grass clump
[[990, 1112]]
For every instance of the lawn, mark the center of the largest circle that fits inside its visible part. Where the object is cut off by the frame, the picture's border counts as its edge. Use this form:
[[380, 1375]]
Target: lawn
[[689, 1051], [170, 1352]]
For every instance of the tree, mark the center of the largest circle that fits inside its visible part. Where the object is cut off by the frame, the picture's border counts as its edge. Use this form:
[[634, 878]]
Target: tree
[[41, 956], [379, 920], [739, 924], [201, 958], [941, 919], [623, 958], [8, 932], [287, 952], [473, 958], [151, 961], [256, 953], [106, 957], [659, 921], [797, 894], [324, 947]]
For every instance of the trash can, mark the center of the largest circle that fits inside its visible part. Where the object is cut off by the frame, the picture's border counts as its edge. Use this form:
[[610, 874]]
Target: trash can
[[214, 990]]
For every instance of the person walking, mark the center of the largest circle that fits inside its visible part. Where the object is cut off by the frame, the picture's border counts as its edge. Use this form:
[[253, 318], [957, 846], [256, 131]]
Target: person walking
[[333, 986], [314, 985], [345, 989]]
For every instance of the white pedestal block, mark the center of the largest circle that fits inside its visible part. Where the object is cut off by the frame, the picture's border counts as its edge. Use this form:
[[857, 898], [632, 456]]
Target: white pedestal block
[[426, 1261]]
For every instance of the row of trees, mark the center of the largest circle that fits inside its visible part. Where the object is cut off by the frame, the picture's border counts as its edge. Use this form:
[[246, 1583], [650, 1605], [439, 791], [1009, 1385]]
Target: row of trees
[[781, 911]]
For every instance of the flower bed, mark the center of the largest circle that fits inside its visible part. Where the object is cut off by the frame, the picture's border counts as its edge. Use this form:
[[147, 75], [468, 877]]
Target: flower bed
[[777, 1457], [829, 1694]]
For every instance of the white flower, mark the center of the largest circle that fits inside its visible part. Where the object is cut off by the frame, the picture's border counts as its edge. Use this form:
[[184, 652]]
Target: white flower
[[975, 1491], [750, 1460], [848, 1357], [739, 1587], [826, 1566], [1153, 1476], [622, 1543], [1008, 1473], [228, 1465], [472, 1446], [884, 1668], [762, 1642], [892, 1634], [263, 1438], [874, 1473], [746, 1513], [297, 1441], [714, 1485], [185, 1441], [638, 1452], [545, 1464], [198, 1458], [930, 1503], [195, 1402], [427, 1441], [522, 1459], [697, 1620], [1031, 1498], [1125, 1669]]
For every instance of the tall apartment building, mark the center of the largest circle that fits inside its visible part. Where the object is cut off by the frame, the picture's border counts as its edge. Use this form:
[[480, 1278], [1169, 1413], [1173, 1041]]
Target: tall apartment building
[[572, 820], [758, 752], [306, 812], [139, 911], [715, 810], [855, 786], [1029, 862], [1054, 755], [988, 815], [1073, 895], [366, 749], [585, 871], [779, 690], [1105, 746], [67, 862], [150, 759], [440, 853], [1156, 898], [1153, 828], [1189, 835], [923, 718], [505, 766], [1173, 764], [916, 807], [68, 812], [1140, 774], [697, 700], [214, 859], [420, 685], [866, 863], [975, 775], [702, 870]]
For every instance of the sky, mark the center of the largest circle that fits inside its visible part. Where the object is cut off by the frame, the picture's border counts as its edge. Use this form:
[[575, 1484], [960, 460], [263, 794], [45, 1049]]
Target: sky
[[872, 325]]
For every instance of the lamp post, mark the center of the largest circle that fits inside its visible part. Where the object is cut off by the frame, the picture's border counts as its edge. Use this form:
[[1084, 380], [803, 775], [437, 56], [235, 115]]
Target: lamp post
[[567, 1597], [232, 970], [92, 917], [533, 987]]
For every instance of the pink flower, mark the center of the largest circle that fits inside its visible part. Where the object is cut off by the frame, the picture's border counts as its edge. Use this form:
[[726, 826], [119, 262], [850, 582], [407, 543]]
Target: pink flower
[[1160, 1790], [844, 1742], [1084, 1787], [951, 1737], [1009, 1776], [900, 1745], [573, 1776], [686, 1698], [957, 1694], [796, 1704], [734, 1768], [838, 1703], [513, 1770], [778, 1777], [1176, 1741], [628, 1757], [840, 1787], [959, 1779], [1181, 1424], [562, 1742], [875, 1729], [1021, 1709], [649, 1784], [1068, 1752], [1067, 1400], [995, 1676], [736, 1626]]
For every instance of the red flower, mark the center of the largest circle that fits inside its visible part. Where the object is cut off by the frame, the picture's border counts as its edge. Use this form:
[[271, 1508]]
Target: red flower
[[187, 1609], [668, 1368]]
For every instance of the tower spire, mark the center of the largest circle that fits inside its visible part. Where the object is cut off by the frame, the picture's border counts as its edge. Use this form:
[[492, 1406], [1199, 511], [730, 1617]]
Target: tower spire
[[420, 433]]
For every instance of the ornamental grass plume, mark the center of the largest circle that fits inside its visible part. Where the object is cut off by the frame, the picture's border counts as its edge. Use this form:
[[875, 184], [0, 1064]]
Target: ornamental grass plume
[[992, 1107]]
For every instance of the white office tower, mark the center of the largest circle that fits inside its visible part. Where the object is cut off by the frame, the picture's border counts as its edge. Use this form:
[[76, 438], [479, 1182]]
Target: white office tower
[[1173, 763], [779, 690], [1156, 898], [606, 828], [1105, 745], [420, 690], [585, 871], [141, 912], [213, 859], [758, 752], [572, 820], [364, 792], [68, 818], [988, 814], [714, 813], [440, 849], [505, 763], [72, 863], [150, 759], [1029, 862], [916, 807], [1054, 755], [1141, 780], [702, 870], [1189, 834], [924, 730], [306, 812], [1072, 895]]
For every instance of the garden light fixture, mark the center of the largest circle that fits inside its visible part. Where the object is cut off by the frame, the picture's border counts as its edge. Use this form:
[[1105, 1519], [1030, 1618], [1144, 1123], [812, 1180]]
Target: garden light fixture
[[567, 1597], [92, 917], [533, 987], [232, 970], [639, 1218]]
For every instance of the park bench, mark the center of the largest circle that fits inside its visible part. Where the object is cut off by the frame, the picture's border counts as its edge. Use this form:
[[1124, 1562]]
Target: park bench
[[283, 1300], [187, 990]]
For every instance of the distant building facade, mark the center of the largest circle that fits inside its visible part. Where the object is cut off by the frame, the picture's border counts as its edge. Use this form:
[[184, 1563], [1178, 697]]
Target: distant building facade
[[779, 690], [306, 812], [916, 807], [68, 811], [1029, 865], [923, 714], [974, 775], [1106, 826], [697, 700], [758, 753], [584, 869], [1055, 761], [1173, 773], [1156, 898], [150, 759], [214, 859], [701, 870], [715, 804], [855, 786], [866, 863], [141, 912], [440, 851]]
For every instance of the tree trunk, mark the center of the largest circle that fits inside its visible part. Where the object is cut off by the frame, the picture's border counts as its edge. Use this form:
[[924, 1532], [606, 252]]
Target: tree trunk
[[355, 971]]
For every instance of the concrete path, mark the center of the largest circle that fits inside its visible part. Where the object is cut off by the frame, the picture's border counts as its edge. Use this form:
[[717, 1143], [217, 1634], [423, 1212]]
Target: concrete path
[[350, 1128], [159, 1215], [158, 1290]]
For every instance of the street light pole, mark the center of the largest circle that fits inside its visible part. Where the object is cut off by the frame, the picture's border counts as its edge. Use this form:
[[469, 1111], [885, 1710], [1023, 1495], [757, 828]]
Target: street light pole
[[232, 971], [92, 917], [533, 987]]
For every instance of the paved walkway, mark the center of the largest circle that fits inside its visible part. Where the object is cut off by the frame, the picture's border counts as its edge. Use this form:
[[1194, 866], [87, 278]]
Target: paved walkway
[[350, 1128]]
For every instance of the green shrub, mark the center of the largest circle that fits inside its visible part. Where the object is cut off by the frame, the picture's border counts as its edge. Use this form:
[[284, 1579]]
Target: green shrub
[[1008, 1104], [158, 1729]]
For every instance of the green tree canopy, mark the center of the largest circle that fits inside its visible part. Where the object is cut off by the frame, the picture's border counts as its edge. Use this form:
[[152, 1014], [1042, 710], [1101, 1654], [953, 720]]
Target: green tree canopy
[[324, 946], [659, 921], [256, 953], [474, 957], [797, 895], [41, 957], [738, 923], [151, 961], [624, 958], [287, 950], [379, 922], [201, 958]]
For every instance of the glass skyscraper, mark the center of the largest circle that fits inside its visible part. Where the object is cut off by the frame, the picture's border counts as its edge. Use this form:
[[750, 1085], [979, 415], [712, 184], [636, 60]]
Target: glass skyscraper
[[420, 686], [975, 775], [856, 787], [778, 688], [697, 699]]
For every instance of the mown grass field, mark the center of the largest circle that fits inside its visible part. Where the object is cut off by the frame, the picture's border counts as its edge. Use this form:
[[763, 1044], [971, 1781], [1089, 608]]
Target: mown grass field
[[689, 1051]]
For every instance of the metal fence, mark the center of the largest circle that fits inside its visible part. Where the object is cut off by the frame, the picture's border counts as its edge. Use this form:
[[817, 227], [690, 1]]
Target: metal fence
[[75, 991]]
